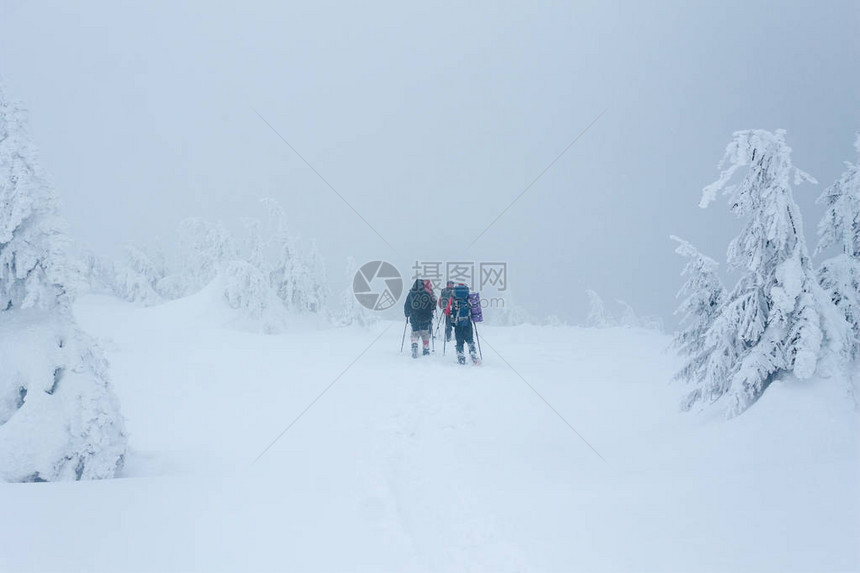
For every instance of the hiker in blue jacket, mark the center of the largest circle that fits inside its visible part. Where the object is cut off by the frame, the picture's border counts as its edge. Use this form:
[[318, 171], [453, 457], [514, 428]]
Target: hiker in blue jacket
[[459, 309]]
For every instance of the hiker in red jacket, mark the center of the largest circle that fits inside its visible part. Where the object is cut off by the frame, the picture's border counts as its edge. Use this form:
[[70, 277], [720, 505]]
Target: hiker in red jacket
[[445, 305]]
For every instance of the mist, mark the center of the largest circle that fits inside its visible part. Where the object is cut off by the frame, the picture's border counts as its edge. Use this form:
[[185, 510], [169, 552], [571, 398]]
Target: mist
[[401, 133]]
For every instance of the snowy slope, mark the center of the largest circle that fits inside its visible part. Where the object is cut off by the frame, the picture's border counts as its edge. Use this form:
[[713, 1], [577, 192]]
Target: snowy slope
[[426, 466]]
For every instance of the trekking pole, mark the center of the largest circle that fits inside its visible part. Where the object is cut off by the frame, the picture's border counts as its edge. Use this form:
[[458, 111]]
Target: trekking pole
[[478, 339], [432, 334], [403, 340]]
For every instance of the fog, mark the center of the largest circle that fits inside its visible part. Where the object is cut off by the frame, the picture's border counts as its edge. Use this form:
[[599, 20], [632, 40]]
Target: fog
[[424, 123]]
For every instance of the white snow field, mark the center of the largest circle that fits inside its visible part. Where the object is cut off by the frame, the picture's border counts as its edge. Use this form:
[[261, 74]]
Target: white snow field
[[422, 465]]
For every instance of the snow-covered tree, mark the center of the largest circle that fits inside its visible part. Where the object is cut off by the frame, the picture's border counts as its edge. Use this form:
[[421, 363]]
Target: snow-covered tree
[[352, 312], [137, 277], [89, 271], [702, 295], [284, 270], [32, 243], [203, 247], [59, 418], [776, 320], [312, 285], [285, 273], [504, 311], [254, 245], [628, 315], [298, 273], [247, 289], [597, 316], [600, 317], [294, 270], [554, 321], [840, 228]]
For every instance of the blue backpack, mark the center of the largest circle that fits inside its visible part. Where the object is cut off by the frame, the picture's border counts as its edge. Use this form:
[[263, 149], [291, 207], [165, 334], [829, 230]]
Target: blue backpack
[[461, 309]]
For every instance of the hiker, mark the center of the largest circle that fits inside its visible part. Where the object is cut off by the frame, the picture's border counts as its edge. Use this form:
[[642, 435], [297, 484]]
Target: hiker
[[459, 309], [444, 300], [418, 308]]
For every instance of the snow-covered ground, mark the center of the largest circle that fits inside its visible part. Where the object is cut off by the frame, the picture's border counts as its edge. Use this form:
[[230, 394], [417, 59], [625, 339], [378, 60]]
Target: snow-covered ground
[[427, 466]]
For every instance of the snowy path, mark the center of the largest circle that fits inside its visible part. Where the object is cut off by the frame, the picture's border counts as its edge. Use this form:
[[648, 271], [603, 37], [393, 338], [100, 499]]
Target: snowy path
[[427, 466]]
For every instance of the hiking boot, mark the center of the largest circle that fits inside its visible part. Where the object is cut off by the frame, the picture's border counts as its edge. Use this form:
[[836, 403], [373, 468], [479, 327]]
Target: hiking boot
[[426, 352], [414, 351], [461, 358]]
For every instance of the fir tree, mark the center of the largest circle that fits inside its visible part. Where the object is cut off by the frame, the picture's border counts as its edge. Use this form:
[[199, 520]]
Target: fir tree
[[840, 228], [298, 273], [352, 312], [702, 294], [137, 277], [597, 315], [59, 417], [204, 245], [775, 320], [314, 287]]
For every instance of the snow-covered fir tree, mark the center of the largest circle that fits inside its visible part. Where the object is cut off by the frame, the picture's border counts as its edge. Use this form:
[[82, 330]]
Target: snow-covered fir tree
[[203, 247], [600, 317], [59, 417], [505, 311], [628, 315], [89, 272], [597, 316], [246, 289], [254, 245], [137, 277], [312, 286], [352, 312], [776, 320], [297, 274], [840, 228], [284, 270], [294, 271], [554, 321], [701, 297], [285, 273]]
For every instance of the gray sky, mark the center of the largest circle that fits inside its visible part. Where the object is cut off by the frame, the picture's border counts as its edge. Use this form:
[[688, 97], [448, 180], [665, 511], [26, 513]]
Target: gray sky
[[430, 119]]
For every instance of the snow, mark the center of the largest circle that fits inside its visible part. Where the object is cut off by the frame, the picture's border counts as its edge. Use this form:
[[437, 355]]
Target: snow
[[422, 465], [59, 418]]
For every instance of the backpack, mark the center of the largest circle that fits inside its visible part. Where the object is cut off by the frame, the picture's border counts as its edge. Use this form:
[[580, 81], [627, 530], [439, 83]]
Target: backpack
[[461, 309], [422, 305], [477, 309]]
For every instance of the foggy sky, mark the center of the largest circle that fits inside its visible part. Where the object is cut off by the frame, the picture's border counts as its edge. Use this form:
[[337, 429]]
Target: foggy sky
[[430, 119]]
